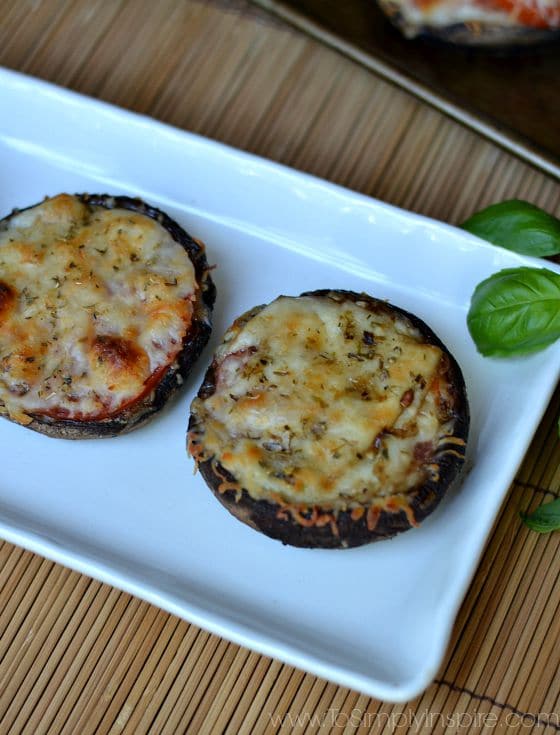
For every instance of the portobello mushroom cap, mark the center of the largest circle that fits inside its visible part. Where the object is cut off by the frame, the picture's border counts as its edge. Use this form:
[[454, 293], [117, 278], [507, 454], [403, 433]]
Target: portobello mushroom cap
[[335, 349], [133, 295], [474, 25]]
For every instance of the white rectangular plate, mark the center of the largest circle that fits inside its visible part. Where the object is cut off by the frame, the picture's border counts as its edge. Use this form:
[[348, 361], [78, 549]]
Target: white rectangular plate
[[130, 512]]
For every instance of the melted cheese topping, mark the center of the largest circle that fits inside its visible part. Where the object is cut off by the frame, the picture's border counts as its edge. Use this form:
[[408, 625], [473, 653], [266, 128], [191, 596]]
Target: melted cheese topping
[[441, 13], [94, 304], [324, 401]]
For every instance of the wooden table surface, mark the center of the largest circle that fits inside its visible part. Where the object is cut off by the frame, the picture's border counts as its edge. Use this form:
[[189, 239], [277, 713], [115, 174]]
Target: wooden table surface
[[77, 656]]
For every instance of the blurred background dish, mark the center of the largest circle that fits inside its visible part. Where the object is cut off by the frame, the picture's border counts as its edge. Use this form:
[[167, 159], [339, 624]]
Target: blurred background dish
[[496, 23], [506, 91]]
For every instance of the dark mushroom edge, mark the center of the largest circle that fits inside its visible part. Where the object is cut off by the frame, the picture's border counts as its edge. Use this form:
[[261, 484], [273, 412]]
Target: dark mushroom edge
[[317, 526], [173, 376]]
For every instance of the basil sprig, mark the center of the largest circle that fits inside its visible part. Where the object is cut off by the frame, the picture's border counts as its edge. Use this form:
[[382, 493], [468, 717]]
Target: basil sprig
[[515, 312], [545, 518], [519, 226]]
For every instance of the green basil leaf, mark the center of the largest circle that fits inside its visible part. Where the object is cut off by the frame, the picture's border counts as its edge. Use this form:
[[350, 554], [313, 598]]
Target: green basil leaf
[[516, 311], [545, 518], [519, 226]]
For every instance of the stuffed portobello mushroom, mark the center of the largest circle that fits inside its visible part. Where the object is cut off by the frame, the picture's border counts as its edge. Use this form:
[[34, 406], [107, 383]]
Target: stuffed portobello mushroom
[[105, 304], [330, 420], [491, 23]]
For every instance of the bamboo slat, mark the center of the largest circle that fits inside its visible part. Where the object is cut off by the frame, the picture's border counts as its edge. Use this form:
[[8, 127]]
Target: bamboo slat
[[79, 657]]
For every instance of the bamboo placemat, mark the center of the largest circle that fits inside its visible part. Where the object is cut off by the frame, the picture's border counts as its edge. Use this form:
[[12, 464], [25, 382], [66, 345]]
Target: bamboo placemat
[[79, 657]]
